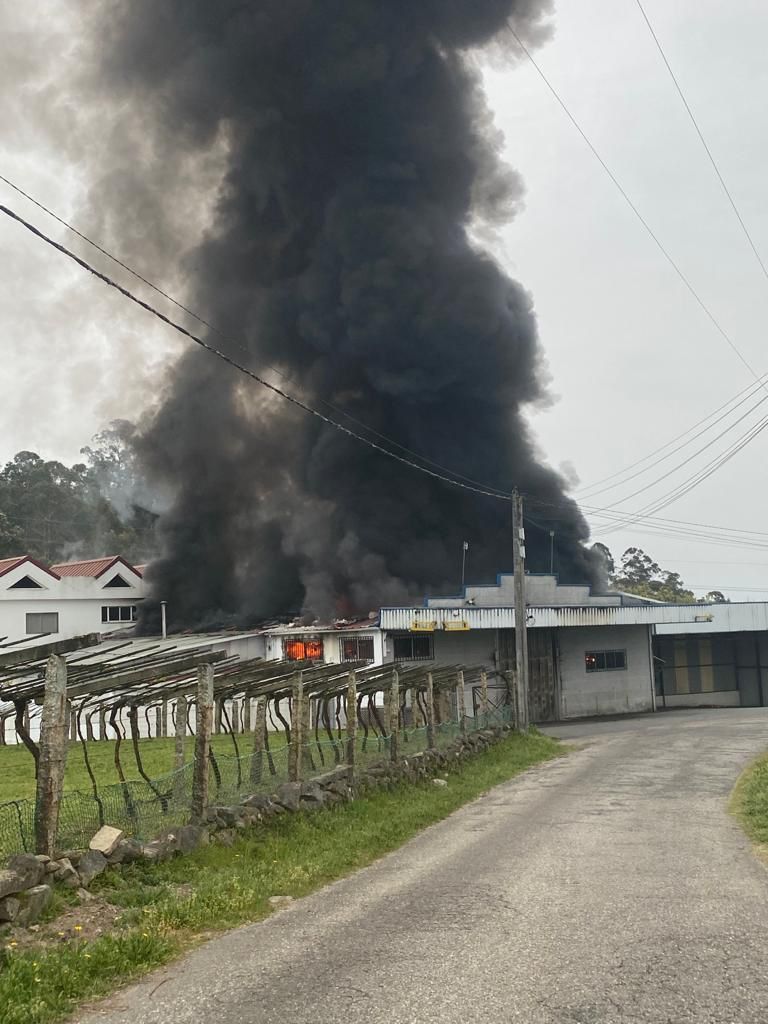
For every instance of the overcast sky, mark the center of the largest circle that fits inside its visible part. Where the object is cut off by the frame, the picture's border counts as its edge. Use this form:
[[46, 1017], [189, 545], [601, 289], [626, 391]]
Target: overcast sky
[[633, 360]]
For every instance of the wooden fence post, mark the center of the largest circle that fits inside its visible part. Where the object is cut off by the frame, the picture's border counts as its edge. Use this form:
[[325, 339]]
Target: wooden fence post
[[246, 714], [158, 721], [297, 721], [219, 707], [53, 755], [351, 725], [259, 735], [430, 699], [461, 705], [203, 723], [484, 697]]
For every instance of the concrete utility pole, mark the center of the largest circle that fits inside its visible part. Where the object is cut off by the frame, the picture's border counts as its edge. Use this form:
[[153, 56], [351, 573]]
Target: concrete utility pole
[[521, 614]]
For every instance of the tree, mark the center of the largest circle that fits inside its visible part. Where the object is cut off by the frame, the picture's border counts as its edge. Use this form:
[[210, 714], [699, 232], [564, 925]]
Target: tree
[[716, 597], [606, 557], [640, 575], [56, 512]]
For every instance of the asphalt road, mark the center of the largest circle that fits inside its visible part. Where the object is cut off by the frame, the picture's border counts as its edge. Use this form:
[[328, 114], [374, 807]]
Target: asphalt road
[[610, 886]]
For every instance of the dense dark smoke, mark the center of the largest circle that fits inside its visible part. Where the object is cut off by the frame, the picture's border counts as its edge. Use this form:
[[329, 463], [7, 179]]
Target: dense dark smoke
[[359, 151]]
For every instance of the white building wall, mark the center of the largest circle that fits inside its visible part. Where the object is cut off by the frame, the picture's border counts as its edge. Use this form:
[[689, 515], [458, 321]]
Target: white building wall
[[610, 692], [77, 600]]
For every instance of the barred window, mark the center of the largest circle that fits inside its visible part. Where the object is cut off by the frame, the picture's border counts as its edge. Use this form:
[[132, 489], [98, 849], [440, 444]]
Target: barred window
[[605, 661], [303, 650], [414, 648], [356, 648]]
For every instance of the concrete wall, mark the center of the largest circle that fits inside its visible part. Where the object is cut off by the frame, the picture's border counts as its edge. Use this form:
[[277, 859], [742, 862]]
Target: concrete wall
[[605, 693]]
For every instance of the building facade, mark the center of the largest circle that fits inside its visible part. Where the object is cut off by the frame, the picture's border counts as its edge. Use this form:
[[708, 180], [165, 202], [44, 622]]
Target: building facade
[[69, 599]]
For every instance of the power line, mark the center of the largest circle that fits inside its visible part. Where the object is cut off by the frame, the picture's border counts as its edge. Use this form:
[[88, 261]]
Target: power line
[[238, 366], [675, 266], [744, 395], [230, 341], [703, 141], [689, 458], [621, 518]]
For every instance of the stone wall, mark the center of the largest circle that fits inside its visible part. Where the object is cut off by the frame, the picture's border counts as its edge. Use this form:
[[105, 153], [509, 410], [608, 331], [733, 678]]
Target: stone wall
[[27, 882]]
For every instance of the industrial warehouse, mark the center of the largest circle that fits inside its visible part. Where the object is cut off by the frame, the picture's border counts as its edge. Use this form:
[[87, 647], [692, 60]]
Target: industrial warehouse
[[588, 654]]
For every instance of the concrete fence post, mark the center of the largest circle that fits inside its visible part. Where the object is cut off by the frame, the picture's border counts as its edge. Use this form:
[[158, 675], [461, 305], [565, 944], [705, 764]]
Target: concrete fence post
[[484, 697], [203, 724], [297, 721], [259, 738], [394, 715], [351, 725], [53, 755], [158, 721], [461, 704], [430, 702], [246, 715]]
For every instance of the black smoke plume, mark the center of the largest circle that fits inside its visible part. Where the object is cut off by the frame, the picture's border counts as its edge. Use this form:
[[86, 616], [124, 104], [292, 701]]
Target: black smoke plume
[[358, 153]]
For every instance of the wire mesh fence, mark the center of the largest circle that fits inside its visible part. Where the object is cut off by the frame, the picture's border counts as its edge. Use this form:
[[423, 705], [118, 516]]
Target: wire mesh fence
[[145, 808]]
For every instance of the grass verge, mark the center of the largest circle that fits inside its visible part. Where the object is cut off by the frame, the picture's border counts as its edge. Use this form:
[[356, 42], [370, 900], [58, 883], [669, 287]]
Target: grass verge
[[750, 802], [169, 906]]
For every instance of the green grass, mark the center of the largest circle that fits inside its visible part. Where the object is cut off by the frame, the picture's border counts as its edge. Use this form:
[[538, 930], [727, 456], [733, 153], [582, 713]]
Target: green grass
[[224, 887], [17, 774], [750, 800]]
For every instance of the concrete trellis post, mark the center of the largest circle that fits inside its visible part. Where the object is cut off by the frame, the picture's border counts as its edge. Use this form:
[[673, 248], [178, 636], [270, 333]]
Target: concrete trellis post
[[203, 723], [259, 737], [53, 755], [351, 724], [394, 715], [297, 722], [484, 697], [430, 701], [461, 705]]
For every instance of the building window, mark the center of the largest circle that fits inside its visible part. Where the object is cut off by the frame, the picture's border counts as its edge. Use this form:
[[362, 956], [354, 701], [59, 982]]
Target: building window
[[42, 622], [119, 613], [356, 648], [605, 661], [303, 650], [26, 583], [414, 648], [117, 581]]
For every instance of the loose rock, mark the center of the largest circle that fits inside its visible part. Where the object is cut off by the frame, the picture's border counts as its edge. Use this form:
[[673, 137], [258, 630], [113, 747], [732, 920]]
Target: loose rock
[[106, 839]]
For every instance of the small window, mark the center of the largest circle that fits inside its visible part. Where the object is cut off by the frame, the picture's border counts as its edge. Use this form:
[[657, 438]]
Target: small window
[[414, 648], [117, 581], [357, 648], [119, 613], [605, 661], [303, 650], [42, 622], [26, 583]]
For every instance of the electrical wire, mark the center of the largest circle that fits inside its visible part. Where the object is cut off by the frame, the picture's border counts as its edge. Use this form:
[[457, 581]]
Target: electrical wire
[[689, 458], [742, 396], [230, 341], [625, 195], [238, 366], [623, 518], [703, 141]]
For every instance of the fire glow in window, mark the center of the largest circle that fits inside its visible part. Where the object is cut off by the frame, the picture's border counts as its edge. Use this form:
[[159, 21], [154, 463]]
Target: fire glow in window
[[303, 650]]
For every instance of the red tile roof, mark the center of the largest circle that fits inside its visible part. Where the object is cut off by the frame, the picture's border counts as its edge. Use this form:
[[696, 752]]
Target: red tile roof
[[6, 564], [93, 567]]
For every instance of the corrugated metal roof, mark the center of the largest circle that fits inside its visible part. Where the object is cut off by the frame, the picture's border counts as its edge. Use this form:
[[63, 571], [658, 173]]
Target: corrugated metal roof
[[678, 617], [93, 567]]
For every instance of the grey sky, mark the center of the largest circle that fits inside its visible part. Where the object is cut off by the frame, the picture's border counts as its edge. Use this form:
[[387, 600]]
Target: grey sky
[[633, 360]]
